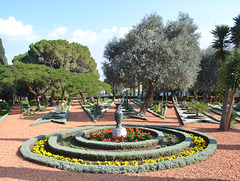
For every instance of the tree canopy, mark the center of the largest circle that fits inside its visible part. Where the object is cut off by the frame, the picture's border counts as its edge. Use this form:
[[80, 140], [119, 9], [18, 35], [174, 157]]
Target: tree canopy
[[3, 59], [156, 55], [208, 77], [38, 78], [60, 54]]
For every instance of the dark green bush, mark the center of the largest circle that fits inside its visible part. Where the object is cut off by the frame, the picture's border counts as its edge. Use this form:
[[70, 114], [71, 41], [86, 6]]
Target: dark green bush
[[237, 108]]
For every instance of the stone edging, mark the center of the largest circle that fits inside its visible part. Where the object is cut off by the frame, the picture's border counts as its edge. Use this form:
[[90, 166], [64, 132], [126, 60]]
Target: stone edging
[[184, 122], [3, 117], [42, 121], [175, 163]]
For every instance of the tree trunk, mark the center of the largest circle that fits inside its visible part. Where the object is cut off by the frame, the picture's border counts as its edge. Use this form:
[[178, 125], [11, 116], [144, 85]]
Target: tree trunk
[[162, 104], [45, 100], [38, 102], [226, 126], [52, 97], [83, 97], [139, 90], [166, 100], [204, 97], [224, 110], [174, 98], [63, 94], [148, 100]]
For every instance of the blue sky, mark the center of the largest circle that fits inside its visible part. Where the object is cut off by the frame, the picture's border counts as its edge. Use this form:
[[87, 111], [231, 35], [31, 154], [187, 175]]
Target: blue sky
[[94, 22]]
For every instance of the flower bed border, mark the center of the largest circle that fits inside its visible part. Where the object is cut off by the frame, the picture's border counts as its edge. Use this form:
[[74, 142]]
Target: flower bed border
[[3, 117], [184, 122], [175, 163], [95, 119], [115, 146], [42, 121]]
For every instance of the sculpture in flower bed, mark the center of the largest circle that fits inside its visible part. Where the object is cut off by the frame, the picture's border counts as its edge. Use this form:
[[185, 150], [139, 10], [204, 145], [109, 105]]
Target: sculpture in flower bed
[[193, 147], [133, 135]]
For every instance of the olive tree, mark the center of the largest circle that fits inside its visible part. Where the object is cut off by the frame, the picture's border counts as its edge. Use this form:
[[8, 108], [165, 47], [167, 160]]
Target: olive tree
[[157, 55]]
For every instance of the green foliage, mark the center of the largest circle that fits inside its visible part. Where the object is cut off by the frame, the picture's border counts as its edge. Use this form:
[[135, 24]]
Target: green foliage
[[220, 43], [237, 108], [232, 72], [198, 107], [24, 58], [235, 32], [3, 59], [233, 117], [38, 78], [208, 76], [60, 54], [155, 55], [88, 84]]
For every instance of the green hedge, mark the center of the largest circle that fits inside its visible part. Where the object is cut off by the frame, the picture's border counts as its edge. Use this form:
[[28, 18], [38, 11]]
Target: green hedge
[[115, 146]]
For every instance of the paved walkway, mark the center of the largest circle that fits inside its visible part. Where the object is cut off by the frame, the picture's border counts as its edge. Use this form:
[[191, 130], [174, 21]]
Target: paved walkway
[[224, 165]]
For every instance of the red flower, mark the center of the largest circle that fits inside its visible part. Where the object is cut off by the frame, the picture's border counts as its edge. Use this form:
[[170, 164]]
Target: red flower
[[96, 135], [136, 140]]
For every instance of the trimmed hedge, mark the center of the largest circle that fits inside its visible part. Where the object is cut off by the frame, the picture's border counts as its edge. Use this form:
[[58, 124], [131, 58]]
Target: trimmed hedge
[[43, 119], [95, 119], [115, 146], [175, 163]]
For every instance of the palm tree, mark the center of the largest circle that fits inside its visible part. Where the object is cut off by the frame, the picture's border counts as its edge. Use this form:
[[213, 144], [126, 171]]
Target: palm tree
[[198, 107], [221, 34], [232, 80], [234, 67], [235, 32]]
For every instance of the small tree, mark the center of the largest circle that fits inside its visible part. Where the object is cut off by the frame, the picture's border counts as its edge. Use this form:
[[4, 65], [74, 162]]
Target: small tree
[[198, 107]]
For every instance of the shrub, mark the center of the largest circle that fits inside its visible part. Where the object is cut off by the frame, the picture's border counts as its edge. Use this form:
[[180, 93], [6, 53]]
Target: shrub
[[237, 108]]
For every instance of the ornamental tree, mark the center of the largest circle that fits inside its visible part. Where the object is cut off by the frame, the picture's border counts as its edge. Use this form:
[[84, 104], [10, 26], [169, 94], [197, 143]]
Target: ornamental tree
[[158, 56], [60, 54], [224, 36], [208, 77], [38, 78], [88, 84]]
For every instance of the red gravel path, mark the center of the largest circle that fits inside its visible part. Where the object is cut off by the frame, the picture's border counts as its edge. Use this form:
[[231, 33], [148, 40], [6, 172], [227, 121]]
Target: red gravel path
[[223, 165]]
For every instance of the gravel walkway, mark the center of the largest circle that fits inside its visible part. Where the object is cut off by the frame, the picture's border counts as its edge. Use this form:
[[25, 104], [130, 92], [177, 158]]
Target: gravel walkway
[[223, 165]]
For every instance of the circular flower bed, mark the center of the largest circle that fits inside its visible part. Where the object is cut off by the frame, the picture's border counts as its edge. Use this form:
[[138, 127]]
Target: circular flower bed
[[193, 148], [133, 135]]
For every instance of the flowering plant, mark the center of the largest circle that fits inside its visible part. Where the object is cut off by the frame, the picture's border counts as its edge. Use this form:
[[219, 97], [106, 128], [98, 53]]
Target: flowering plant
[[133, 135]]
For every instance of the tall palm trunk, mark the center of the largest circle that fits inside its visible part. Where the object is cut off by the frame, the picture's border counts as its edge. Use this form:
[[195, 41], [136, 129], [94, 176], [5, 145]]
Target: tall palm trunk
[[226, 126], [224, 110]]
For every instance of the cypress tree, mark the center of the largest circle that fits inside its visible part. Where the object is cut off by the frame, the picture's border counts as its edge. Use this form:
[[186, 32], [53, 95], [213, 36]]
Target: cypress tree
[[3, 59]]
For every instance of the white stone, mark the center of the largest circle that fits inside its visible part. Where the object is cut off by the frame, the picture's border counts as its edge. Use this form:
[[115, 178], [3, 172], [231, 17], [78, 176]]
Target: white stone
[[118, 132], [58, 110]]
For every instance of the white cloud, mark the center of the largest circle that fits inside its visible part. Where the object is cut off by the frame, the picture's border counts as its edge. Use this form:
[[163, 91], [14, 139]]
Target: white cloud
[[84, 37], [16, 30], [123, 31], [110, 31], [57, 33], [206, 38]]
